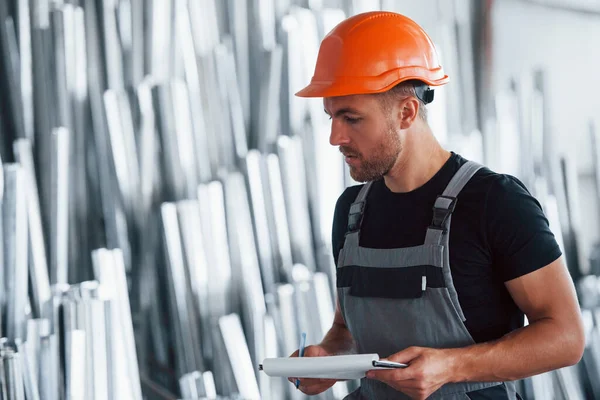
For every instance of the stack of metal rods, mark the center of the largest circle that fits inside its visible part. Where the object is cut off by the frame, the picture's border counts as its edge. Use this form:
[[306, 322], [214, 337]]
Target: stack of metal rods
[[165, 192]]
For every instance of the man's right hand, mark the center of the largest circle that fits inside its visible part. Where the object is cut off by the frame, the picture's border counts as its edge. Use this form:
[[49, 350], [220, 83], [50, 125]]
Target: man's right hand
[[312, 386]]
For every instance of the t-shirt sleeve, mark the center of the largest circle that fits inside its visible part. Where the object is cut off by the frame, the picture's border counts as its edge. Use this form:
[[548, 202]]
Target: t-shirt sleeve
[[340, 219], [517, 230]]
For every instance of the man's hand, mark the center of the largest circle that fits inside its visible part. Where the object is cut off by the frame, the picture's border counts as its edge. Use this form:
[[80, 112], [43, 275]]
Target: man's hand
[[428, 370], [313, 386]]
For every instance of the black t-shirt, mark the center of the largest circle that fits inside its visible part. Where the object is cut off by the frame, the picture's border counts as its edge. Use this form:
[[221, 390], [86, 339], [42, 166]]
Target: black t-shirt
[[498, 232]]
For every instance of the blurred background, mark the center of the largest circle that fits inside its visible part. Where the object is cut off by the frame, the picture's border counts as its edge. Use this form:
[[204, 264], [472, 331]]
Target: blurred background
[[167, 202]]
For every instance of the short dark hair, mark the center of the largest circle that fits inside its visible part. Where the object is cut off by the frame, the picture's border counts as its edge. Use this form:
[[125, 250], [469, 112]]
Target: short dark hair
[[403, 89]]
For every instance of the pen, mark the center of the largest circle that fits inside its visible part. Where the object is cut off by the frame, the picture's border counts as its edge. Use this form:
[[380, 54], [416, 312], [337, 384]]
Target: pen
[[301, 353]]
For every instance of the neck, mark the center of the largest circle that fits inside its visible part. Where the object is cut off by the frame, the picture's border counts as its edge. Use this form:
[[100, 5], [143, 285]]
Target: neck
[[420, 159]]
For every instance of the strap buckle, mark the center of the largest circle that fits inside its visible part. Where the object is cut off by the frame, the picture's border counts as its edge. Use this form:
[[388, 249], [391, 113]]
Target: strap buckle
[[442, 209], [355, 216]]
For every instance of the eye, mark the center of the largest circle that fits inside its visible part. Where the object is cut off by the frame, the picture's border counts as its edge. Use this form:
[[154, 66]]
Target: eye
[[351, 120]]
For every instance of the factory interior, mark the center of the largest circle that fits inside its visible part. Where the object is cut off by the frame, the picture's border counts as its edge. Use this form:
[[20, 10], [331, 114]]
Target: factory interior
[[167, 201]]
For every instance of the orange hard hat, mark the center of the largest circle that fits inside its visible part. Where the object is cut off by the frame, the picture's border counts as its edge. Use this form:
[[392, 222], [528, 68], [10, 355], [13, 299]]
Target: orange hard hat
[[371, 53]]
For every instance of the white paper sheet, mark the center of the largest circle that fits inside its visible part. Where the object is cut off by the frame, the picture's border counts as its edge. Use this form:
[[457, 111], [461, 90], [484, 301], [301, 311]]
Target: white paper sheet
[[333, 367]]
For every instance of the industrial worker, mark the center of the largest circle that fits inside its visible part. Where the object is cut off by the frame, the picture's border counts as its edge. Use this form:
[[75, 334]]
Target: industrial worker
[[438, 258]]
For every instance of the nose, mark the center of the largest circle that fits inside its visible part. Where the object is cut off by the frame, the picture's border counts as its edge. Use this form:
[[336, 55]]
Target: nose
[[338, 135]]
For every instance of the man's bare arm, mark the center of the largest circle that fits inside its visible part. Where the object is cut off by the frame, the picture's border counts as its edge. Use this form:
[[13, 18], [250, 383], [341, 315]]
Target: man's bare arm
[[553, 339]]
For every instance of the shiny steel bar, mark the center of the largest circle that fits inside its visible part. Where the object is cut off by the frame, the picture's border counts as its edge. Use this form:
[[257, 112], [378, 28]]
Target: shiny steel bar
[[38, 263], [12, 362], [29, 370], [239, 357], [173, 175], [255, 172], [43, 101], [269, 98], [14, 208], [214, 230], [197, 266], [36, 329], [59, 224], [49, 384], [236, 111], [75, 353], [187, 339], [245, 263], [206, 160], [238, 25], [123, 148], [112, 47], [278, 225], [224, 121], [138, 39], [10, 55], [185, 137], [3, 298], [61, 24], [25, 64], [296, 199], [109, 269], [191, 385], [80, 185]]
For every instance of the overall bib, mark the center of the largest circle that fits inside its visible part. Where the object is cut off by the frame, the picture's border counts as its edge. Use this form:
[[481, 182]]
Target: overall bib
[[392, 299]]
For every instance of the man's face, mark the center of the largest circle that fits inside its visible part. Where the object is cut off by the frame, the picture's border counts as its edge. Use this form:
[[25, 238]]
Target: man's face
[[365, 133]]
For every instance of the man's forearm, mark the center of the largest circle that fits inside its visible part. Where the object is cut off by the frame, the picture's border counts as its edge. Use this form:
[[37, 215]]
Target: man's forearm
[[339, 340], [539, 347]]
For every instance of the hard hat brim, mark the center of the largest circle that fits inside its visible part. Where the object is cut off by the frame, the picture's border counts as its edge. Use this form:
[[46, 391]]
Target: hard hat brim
[[358, 86]]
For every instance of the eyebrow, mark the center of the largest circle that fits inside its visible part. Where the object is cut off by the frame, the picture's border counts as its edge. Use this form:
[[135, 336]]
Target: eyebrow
[[343, 111]]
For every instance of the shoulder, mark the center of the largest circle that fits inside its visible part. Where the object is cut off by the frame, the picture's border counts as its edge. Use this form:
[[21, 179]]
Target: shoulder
[[489, 186]]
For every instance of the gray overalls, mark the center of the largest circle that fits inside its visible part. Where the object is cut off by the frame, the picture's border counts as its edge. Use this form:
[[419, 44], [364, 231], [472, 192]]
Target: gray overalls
[[392, 299]]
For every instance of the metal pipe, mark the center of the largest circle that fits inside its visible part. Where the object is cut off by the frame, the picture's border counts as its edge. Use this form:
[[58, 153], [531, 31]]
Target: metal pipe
[[184, 321], [238, 24], [59, 226], [25, 57], [43, 101], [191, 385], [15, 249], [2, 234], [36, 329], [75, 356], [269, 98], [247, 273], [197, 265], [206, 160], [239, 357], [38, 263], [255, 169], [14, 378], [173, 175], [109, 269], [50, 364], [112, 47], [185, 137], [80, 186], [29, 370], [296, 199], [278, 226], [214, 230], [10, 56]]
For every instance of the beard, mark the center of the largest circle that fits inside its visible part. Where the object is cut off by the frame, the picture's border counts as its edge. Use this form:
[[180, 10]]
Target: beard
[[383, 158]]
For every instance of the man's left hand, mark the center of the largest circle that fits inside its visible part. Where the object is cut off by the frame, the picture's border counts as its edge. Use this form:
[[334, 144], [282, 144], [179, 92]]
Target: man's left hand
[[428, 370]]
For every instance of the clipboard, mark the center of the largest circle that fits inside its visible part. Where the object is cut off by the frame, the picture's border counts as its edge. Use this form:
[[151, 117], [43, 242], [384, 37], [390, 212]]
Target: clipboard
[[331, 367]]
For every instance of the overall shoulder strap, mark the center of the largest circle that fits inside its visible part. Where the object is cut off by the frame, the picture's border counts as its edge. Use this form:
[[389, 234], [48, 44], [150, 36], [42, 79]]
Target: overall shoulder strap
[[446, 202]]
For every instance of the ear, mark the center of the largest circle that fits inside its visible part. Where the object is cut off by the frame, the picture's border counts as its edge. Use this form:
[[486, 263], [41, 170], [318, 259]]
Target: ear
[[408, 112]]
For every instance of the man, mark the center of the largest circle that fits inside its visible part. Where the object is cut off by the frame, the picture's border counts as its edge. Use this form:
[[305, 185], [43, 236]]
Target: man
[[438, 258]]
